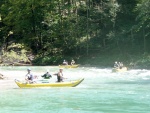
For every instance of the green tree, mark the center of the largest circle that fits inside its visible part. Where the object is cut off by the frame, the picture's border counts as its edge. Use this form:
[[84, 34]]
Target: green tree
[[143, 26], [24, 18]]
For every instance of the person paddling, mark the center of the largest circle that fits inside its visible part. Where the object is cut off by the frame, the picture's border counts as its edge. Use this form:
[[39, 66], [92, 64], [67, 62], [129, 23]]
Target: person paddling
[[46, 75], [60, 76], [65, 62], [72, 62], [29, 76], [116, 65]]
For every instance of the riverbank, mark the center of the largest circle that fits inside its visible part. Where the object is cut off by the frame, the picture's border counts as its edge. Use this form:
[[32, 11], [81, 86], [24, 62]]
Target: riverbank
[[131, 61], [104, 61]]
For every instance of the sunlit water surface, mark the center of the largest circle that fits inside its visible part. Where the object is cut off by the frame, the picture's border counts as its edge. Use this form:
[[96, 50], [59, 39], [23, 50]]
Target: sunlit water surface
[[101, 92]]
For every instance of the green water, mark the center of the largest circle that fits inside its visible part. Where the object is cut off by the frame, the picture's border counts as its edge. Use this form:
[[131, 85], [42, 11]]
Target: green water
[[100, 92]]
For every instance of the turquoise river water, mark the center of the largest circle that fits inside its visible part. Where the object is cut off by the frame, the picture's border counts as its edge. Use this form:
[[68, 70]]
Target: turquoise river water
[[101, 92]]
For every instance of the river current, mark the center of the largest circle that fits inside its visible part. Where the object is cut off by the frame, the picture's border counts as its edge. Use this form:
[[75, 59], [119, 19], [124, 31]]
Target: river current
[[101, 92]]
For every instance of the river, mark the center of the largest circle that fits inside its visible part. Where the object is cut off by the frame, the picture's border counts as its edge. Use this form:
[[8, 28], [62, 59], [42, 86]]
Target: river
[[101, 92]]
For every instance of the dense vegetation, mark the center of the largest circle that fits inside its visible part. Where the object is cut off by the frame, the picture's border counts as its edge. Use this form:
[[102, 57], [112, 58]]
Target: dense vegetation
[[99, 30]]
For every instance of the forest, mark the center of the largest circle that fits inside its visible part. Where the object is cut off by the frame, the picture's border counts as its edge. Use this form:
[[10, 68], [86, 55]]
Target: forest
[[93, 32]]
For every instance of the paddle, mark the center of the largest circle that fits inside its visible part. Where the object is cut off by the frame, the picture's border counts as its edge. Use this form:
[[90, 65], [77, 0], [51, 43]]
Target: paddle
[[2, 76]]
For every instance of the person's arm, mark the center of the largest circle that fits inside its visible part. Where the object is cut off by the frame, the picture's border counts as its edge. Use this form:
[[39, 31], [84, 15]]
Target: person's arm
[[55, 74], [61, 75], [26, 77], [1, 76], [49, 75], [42, 75]]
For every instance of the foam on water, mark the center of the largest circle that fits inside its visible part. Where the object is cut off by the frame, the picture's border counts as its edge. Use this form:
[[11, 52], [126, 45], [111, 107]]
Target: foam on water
[[101, 92]]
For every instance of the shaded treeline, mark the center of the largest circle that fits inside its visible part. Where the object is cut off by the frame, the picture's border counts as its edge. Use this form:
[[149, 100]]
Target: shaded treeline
[[53, 29]]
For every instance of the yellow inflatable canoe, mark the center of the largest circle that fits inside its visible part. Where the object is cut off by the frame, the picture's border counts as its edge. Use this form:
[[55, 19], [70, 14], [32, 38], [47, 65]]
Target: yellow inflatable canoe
[[119, 70], [68, 66], [56, 84]]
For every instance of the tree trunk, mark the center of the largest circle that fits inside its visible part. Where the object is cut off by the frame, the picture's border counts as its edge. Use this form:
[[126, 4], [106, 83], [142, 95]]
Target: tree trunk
[[144, 40]]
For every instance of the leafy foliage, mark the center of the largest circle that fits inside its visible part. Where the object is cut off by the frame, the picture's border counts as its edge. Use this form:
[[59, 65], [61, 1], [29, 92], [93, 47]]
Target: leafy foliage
[[53, 29]]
